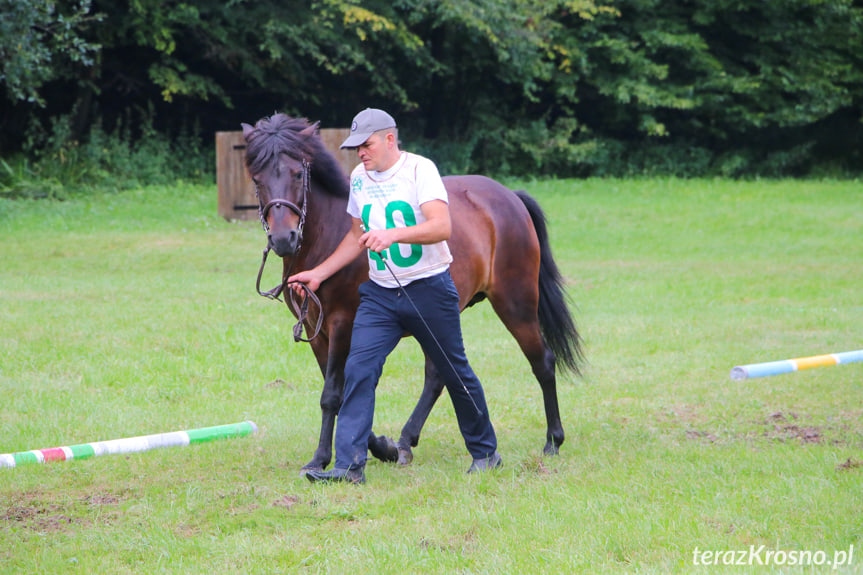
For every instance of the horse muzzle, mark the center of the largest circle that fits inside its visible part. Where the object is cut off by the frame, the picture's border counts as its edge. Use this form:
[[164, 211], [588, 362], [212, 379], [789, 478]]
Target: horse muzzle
[[285, 243], [281, 237]]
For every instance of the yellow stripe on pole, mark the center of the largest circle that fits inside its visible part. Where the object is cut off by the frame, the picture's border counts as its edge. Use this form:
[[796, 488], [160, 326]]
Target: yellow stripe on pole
[[814, 361]]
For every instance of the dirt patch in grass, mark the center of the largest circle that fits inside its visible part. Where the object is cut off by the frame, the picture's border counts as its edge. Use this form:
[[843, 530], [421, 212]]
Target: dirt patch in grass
[[681, 414], [849, 465], [457, 544], [37, 511], [536, 465], [784, 428], [792, 432], [37, 517], [277, 383], [695, 434], [286, 502]]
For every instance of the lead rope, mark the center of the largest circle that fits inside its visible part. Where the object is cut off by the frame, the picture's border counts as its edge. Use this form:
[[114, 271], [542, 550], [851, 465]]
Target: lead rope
[[302, 312], [301, 309]]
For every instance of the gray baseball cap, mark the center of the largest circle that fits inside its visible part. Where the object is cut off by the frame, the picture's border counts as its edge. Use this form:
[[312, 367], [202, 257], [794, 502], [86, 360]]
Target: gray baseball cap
[[365, 124]]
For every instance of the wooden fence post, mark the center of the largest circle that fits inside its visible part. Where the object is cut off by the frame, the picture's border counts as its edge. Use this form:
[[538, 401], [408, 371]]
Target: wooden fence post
[[236, 192]]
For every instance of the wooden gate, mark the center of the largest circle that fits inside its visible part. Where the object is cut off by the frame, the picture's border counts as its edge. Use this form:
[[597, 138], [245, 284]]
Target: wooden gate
[[237, 199]]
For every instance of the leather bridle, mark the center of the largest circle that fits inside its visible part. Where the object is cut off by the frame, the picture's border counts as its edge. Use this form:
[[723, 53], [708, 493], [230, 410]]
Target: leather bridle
[[301, 309], [264, 209]]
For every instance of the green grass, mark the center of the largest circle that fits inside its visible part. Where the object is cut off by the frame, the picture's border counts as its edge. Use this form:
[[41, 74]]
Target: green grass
[[135, 313]]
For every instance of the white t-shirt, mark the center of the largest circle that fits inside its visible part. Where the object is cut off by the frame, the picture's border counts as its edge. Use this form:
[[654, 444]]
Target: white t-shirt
[[392, 199]]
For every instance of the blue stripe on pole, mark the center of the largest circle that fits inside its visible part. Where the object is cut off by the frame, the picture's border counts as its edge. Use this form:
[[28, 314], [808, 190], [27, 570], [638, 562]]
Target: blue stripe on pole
[[763, 369], [849, 356]]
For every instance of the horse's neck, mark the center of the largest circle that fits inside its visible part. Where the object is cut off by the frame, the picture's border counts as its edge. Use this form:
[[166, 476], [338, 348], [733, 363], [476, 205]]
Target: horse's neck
[[327, 222]]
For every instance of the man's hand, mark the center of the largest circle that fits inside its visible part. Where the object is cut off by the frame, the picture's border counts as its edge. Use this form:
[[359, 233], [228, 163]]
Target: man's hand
[[378, 240], [308, 277]]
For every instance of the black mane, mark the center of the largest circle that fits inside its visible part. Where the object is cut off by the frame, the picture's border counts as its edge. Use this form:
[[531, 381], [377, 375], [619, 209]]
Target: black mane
[[282, 134]]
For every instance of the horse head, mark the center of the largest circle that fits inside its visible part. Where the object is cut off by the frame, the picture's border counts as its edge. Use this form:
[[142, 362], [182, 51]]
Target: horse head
[[279, 153]]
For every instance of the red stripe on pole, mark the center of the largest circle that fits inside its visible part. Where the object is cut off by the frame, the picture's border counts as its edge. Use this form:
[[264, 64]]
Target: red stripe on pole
[[54, 454]]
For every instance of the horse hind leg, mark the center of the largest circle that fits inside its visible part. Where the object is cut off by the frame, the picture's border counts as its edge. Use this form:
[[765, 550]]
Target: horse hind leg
[[524, 327], [544, 371], [410, 435], [554, 435], [542, 363]]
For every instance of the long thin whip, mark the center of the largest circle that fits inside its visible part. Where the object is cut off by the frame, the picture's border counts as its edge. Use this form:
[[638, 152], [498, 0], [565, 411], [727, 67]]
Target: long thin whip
[[431, 333]]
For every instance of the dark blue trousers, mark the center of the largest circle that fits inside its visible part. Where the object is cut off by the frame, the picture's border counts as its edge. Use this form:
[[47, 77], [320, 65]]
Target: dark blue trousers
[[383, 317]]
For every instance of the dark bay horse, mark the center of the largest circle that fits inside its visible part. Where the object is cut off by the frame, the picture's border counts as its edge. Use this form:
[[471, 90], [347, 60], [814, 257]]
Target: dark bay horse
[[500, 252]]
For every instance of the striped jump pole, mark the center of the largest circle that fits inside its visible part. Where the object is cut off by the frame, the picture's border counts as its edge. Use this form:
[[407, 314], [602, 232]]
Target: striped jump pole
[[789, 365], [129, 444]]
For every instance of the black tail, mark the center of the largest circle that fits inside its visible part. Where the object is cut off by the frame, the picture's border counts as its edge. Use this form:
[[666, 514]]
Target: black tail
[[555, 320]]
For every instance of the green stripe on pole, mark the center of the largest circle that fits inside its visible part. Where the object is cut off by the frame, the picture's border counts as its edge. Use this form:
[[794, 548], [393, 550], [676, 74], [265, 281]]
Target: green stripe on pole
[[221, 432], [25, 457], [82, 451]]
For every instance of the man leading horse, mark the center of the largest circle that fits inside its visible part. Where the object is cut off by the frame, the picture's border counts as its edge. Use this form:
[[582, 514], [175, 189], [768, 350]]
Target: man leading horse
[[400, 215]]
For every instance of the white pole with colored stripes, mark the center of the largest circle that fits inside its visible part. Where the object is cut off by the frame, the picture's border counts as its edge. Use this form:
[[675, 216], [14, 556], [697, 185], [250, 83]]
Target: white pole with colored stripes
[[788, 365], [129, 444]]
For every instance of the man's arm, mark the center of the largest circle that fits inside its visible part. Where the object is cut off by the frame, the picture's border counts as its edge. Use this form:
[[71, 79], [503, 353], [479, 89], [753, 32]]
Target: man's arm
[[347, 251]]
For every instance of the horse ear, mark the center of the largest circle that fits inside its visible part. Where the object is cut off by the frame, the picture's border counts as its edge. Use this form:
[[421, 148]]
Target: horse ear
[[311, 130], [247, 130]]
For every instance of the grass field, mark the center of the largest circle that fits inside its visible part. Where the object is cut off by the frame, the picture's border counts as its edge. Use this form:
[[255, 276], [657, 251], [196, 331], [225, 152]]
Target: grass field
[[136, 313]]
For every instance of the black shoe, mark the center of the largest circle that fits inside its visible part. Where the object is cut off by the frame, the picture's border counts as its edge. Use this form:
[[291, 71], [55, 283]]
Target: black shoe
[[486, 463], [356, 475]]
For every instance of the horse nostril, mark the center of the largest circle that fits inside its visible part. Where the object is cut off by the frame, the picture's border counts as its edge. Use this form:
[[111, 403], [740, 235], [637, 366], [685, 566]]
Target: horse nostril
[[285, 244]]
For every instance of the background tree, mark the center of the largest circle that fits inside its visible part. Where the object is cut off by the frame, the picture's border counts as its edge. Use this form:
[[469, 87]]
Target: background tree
[[40, 42], [562, 87]]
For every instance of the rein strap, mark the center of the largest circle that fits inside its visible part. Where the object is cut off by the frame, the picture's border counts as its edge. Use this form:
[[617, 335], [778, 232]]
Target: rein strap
[[301, 309]]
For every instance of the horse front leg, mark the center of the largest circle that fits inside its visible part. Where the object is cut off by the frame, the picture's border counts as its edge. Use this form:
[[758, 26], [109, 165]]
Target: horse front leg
[[331, 400], [331, 353], [410, 436]]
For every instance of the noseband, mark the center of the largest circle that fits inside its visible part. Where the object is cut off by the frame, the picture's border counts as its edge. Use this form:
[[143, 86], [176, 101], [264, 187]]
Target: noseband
[[301, 309]]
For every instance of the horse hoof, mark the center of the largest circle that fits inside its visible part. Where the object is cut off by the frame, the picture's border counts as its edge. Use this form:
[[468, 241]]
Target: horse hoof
[[550, 449], [392, 451], [384, 448], [406, 456], [306, 468]]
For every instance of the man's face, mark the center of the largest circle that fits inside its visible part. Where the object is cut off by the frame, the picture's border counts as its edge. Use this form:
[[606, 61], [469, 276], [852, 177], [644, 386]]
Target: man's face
[[374, 153]]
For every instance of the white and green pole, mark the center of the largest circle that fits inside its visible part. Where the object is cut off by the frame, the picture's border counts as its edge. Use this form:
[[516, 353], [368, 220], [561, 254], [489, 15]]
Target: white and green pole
[[129, 444]]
